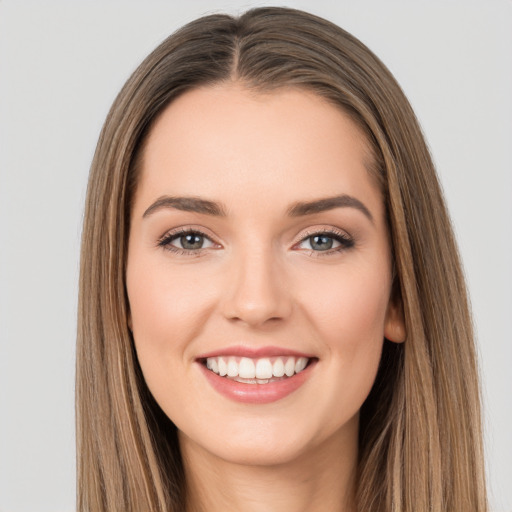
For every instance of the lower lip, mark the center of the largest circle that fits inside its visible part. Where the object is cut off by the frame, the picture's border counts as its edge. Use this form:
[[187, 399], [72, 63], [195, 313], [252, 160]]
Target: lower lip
[[257, 393]]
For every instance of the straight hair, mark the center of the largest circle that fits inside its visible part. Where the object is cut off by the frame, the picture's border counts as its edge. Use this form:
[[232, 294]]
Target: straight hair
[[420, 441]]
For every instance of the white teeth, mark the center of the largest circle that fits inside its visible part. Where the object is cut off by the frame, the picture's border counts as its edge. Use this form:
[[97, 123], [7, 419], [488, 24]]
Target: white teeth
[[289, 367], [259, 371], [212, 364], [223, 367], [263, 369], [301, 364], [232, 367], [251, 381], [278, 368], [246, 368]]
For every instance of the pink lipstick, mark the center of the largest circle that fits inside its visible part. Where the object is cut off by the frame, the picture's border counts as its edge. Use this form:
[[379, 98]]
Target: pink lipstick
[[256, 375]]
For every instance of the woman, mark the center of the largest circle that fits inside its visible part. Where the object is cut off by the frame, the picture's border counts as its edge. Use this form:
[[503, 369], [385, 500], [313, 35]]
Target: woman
[[272, 311]]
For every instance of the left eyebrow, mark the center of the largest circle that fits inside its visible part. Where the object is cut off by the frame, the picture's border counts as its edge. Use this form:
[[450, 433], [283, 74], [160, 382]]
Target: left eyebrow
[[328, 203]]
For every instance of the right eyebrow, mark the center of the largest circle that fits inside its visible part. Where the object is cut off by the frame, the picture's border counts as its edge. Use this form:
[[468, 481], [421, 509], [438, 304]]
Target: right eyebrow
[[187, 204]]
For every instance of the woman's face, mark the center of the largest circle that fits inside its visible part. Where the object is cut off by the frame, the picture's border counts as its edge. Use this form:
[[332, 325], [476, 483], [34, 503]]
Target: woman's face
[[258, 244]]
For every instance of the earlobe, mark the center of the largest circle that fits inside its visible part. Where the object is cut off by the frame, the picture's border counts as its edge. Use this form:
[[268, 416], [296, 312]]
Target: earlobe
[[394, 328]]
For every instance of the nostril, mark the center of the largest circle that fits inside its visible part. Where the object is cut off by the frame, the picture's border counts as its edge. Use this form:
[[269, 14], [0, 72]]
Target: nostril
[[257, 295]]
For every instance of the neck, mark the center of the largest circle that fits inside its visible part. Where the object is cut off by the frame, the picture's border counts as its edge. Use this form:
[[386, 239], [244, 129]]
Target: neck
[[318, 480]]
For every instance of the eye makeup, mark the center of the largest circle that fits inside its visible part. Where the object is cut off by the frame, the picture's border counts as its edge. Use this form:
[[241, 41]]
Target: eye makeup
[[189, 241], [326, 241], [192, 242]]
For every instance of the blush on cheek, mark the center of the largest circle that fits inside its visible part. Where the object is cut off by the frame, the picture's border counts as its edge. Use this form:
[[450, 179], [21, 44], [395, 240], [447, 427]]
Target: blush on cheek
[[357, 312]]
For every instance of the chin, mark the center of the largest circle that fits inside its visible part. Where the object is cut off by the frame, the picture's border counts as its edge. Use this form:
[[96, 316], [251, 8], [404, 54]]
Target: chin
[[260, 452], [266, 442]]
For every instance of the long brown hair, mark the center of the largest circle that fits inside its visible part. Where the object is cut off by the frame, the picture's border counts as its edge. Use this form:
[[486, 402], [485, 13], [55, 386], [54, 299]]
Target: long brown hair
[[420, 446]]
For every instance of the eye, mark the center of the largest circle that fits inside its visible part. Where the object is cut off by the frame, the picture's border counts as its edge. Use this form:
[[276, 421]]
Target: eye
[[188, 241], [327, 242]]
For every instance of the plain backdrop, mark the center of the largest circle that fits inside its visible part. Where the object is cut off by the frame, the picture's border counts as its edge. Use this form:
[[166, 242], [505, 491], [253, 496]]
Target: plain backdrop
[[61, 65]]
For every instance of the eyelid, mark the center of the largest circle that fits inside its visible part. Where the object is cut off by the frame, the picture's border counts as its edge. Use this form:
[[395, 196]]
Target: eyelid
[[345, 240], [321, 230], [184, 230]]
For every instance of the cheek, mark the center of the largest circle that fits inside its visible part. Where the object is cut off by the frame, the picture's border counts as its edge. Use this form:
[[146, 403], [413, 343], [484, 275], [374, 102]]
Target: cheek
[[149, 307], [168, 308], [165, 305], [350, 309], [349, 317]]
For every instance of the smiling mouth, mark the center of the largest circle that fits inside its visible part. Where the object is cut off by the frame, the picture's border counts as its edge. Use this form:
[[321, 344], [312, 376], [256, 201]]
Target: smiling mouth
[[262, 370]]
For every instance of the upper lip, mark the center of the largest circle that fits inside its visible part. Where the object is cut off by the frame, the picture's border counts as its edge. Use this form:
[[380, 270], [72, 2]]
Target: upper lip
[[254, 352]]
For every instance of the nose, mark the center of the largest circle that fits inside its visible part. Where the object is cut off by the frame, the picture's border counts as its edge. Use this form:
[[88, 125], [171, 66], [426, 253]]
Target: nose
[[257, 291]]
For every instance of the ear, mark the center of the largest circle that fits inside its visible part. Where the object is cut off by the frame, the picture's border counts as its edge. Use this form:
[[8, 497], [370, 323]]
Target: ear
[[394, 326]]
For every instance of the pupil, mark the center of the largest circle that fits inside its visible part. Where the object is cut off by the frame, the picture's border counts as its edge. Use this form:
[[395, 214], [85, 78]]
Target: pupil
[[321, 243], [191, 241]]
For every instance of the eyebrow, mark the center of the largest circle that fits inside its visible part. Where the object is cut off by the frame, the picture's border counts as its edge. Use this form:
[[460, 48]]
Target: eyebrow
[[187, 204], [298, 209], [329, 203]]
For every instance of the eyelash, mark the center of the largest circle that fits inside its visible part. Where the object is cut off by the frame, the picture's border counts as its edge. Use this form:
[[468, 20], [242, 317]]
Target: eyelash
[[165, 242], [345, 241]]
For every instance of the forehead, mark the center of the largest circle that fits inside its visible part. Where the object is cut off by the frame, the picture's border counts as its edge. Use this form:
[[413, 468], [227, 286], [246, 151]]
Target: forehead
[[228, 140]]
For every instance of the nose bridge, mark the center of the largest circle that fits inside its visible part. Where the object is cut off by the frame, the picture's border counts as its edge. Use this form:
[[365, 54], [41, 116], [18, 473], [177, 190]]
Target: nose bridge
[[257, 290]]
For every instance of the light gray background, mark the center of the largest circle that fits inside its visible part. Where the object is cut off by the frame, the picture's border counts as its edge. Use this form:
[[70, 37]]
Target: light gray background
[[61, 65]]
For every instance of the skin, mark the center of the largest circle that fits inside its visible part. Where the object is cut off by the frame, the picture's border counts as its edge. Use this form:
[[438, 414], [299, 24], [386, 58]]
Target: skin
[[258, 281]]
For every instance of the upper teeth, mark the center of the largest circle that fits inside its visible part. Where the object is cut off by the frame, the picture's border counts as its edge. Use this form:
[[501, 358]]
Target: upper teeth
[[264, 368]]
